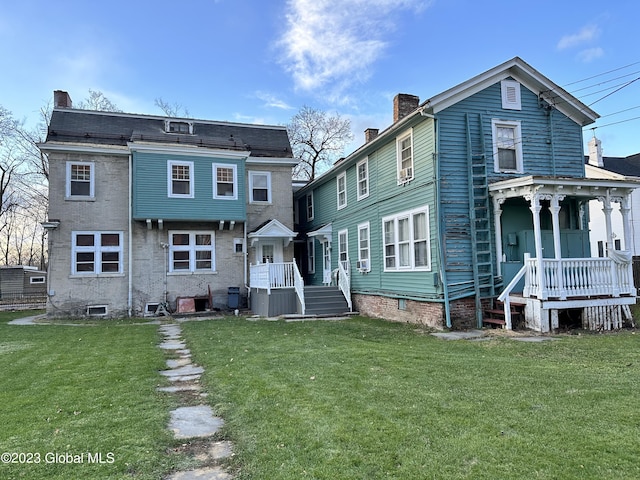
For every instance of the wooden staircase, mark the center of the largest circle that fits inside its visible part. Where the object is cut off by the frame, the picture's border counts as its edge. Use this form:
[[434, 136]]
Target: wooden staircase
[[494, 317], [323, 300]]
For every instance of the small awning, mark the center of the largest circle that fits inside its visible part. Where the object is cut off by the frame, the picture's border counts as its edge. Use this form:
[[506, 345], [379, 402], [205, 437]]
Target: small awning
[[323, 234], [272, 230]]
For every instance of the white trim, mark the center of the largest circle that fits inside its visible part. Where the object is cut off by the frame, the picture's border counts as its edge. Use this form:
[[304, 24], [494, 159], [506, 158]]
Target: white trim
[[342, 177], [234, 168], [277, 161], [364, 162], [104, 310], [191, 248], [96, 249], [510, 92], [169, 121], [367, 266], [170, 165], [92, 181], [41, 279], [344, 232], [311, 255], [515, 125], [309, 205], [188, 150], [83, 148], [253, 174], [407, 215], [405, 174]]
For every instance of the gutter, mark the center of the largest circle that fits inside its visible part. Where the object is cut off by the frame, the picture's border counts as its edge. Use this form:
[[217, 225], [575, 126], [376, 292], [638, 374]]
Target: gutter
[[130, 240]]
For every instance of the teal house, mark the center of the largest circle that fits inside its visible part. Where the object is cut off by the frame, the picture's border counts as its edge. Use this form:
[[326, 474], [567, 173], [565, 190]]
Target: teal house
[[470, 209]]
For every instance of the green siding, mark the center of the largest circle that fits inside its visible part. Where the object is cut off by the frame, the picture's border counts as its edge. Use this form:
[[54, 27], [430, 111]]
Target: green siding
[[151, 200]]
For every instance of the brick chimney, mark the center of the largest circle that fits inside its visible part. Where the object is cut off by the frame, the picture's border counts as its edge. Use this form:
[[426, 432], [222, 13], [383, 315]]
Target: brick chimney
[[595, 152], [403, 105], [61, 99], [370, 134]]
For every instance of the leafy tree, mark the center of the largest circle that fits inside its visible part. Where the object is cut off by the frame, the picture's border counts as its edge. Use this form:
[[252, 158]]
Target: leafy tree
[[317, 139]]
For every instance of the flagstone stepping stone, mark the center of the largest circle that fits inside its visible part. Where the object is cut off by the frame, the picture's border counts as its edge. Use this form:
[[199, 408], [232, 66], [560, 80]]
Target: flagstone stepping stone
[[179, 388], [197, 421], [178, 362], [173, 345], [210, 473], [182, 371]]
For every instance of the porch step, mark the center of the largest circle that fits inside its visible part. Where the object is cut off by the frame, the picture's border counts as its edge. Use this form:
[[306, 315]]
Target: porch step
[[321, 300], [495, 316]]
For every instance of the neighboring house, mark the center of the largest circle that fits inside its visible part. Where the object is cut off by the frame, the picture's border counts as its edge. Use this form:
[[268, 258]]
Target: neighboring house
[[618, 168], [475, 194], [18, 282], [146, 210]]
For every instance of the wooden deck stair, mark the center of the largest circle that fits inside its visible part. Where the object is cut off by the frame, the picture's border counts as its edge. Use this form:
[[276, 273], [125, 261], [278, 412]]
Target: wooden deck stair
[[495, 316]]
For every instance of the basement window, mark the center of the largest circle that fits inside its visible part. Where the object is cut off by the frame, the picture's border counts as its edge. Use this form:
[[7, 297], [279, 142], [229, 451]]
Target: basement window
[[97, 310], [151, 308], [36, 280], [402, 304]]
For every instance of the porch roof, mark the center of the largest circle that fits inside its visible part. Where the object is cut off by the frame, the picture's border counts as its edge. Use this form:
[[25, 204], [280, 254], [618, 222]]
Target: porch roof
[[272, 229], [577, 187]]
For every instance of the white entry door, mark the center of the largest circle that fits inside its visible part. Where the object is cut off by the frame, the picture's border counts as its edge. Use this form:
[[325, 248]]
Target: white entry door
[[326, 263], [270, 253]]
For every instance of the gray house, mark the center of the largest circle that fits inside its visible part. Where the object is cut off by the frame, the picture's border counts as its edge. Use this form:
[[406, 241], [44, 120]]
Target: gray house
[[21, 281], [150, 211]]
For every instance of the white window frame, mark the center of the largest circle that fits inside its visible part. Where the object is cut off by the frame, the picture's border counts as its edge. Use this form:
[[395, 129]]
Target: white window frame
[[192, 248], [341, 190], [238, 242], [311, 255], [343, 248], [179, 163], [97, 249], [362, 181], [252, 178], [395, 244], [232, 167], [92, 175], [169, 123], [510, 92], [408, 170], [517, 147], [310, 209], [40, 280], [362, 256]]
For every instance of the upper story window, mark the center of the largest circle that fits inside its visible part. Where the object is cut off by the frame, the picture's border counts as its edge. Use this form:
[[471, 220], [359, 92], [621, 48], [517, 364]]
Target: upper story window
[[364, 252], [362, 170], [507, 146], [510, 90], [180, 179], [226, 182], [96, 253], [341, 187], [260, 187], [310, 206], [177, 126], [191, 251], [406, 241], [311, 255], [80, 180], [404, 153]]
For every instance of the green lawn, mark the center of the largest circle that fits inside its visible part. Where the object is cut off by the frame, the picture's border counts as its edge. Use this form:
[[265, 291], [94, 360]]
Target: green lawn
[[83, 391], [366, 399]]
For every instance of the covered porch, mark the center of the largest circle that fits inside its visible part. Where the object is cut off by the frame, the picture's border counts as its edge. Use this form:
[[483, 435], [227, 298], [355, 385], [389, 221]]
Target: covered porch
[[555, 272]]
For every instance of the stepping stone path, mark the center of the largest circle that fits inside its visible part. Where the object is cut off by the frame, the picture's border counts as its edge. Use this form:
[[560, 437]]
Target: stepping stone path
[[191, 421]]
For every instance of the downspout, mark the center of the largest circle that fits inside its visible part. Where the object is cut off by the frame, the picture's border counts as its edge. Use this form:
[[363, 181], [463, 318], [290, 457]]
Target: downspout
[[245, 254], [130, 241], [553, 152]]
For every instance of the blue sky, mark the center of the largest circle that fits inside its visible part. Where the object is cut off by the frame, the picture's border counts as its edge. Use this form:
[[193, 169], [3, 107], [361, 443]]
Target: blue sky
[[261, 60]]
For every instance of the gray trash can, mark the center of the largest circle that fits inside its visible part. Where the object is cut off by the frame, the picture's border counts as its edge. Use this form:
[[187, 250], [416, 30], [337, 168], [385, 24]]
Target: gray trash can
[[233, 297]]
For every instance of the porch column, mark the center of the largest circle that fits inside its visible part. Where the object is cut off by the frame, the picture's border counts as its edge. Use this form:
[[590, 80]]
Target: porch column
[[607, 209], [497, 214], [534, 200], [555, 222], [625, 210]]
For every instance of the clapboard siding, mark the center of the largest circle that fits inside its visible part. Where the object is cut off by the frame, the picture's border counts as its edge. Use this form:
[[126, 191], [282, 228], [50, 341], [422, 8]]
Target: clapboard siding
[[150, 198]]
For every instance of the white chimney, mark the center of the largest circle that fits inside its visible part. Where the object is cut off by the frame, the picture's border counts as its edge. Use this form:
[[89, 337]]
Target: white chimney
[[595, 153]]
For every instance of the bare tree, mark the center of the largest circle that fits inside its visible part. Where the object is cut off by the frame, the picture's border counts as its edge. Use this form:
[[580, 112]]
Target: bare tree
[[317, 139], [171, 110], [97, 101]]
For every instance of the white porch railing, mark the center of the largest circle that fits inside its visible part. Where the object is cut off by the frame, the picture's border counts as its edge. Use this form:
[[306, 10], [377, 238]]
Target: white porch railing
[[577, 277], [344, 281], [269, 276]]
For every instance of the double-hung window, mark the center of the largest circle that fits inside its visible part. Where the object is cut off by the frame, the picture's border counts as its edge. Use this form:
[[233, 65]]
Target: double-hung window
[[341, 187], [310, 206], [362, 170], [191, 251], [343, 248], [404, 153], [260, 187], [180, 179], [507, 146], [406, 240], [311, 255], [96, 253], [226, 181], [364, 256], [80, 180]]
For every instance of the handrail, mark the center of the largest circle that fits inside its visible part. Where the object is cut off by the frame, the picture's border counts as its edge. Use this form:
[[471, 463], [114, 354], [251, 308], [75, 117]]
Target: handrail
[[298, 284], [344, 283], [504, 296]]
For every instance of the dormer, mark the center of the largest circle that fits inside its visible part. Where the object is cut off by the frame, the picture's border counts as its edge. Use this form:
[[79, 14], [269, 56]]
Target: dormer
[[178, 126]]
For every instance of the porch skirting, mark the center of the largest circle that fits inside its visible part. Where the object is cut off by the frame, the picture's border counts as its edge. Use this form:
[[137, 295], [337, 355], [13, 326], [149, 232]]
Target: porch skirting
[[279, 302]]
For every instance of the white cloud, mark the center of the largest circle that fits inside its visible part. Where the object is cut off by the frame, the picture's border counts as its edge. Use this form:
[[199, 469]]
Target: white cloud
[[587, 34], [590, 54], [328, 43], [272, 101]]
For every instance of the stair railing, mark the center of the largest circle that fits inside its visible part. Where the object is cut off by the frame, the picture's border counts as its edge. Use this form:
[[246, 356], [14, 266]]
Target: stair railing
[[344, 282], [298, 285], [504, 296]]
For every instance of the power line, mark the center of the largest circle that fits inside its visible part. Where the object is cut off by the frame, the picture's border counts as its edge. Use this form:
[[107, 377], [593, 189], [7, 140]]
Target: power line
[[615, 91], [601, 74]]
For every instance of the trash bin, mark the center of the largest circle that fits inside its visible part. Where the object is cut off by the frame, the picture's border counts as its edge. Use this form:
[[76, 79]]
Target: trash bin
[[233, 297]]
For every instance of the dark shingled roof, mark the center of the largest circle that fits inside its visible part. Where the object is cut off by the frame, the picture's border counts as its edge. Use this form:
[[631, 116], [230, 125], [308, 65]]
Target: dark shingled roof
[[628, 166], [106, 128]]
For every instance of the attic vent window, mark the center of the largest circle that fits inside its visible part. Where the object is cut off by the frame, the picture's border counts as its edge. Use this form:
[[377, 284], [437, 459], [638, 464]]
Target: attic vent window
[[172, 126], [510, 95]]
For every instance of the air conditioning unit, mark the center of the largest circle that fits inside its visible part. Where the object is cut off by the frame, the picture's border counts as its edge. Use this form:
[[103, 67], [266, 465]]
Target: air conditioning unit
[[406, 174], [362, 265]]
